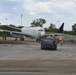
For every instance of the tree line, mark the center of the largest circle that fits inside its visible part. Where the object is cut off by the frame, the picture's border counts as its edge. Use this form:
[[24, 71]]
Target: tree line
[[38, 22]]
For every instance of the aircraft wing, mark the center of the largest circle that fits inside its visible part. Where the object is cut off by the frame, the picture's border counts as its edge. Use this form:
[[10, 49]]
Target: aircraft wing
[[59, 32], [15, 33], [52, 34], [10, 31]]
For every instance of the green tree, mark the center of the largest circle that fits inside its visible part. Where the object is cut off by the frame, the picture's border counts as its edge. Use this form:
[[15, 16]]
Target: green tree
[[74, 27], [12, 25], [20, 27], [52, 28], [38, 22], [6, 27], [69, 32]]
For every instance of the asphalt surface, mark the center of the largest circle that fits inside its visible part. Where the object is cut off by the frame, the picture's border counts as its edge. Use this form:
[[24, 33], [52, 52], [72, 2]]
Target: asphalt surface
[[29, 59], [32, 50], [26, 73]]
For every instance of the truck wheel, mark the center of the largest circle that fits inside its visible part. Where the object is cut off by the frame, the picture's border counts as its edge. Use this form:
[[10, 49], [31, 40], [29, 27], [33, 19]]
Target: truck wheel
[[55, 48], [42, 47]]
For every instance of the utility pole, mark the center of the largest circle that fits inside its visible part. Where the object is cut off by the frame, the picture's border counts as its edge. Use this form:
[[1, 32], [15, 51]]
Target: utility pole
[[6, 20], [21, 19], [22, 38]]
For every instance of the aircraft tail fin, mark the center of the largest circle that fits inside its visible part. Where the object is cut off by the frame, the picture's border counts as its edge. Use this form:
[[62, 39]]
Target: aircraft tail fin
[[60, 30]]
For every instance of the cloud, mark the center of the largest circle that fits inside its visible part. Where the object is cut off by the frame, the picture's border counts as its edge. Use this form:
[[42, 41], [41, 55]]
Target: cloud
[[37, 8], [40, 7], [14, 8], [65, 5], [28, 0], [65, 8], [10, 6], [55, 8], [13, 0], [58, 16], [3, 15], [51, 7]]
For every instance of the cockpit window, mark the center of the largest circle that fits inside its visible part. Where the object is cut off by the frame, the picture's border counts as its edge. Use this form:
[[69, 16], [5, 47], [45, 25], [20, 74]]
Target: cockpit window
[[40, 30]]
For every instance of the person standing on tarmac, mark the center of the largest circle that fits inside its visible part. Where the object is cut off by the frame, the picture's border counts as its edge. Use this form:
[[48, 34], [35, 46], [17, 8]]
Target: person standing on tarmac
[[62, 42]]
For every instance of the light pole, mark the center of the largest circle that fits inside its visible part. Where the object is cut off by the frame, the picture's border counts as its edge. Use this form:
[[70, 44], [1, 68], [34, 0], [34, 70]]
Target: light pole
[[22, 38], [6, 20], [21, 19]]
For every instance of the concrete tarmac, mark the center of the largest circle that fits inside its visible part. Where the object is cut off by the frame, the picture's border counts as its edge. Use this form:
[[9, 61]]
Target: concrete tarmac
[[26, 73], [32, 50], [30, 58]]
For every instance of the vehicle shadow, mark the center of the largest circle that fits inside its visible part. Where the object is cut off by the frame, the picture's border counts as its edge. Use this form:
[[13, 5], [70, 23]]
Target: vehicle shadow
[[49, 49]]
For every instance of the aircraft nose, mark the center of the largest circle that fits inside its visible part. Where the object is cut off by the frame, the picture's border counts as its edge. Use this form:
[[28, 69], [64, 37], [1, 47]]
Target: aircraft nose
[[42, 33]]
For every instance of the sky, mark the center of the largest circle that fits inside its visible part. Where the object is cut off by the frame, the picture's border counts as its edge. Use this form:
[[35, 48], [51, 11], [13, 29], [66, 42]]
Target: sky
[[53, 11]]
